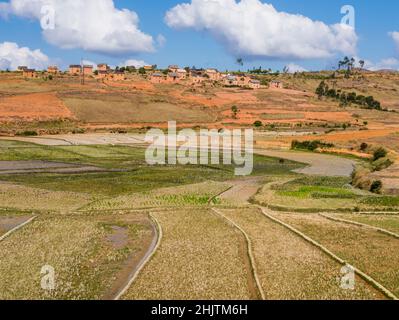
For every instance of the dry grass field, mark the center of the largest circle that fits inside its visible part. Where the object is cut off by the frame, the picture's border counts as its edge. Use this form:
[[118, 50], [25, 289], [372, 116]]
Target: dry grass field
[[281, 255], [367, 249], [199, 258], [86, 254]]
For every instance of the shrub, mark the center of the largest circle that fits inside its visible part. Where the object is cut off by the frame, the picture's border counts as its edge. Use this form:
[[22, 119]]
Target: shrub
[[310, 145], [379, 153], [376, 186], [364, 146], [258, 123], [27, 133]]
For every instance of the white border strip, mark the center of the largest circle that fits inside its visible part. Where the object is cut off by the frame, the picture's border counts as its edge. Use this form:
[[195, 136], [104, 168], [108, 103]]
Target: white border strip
[[6, 235], [359, 224], [159, 235]]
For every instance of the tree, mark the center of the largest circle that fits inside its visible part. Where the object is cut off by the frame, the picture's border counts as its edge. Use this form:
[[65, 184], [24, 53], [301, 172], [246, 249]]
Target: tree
[[376, 186], [258, 124], [379, 153], [142, 70], [364, 146], [321, 89], [285, 70], [234, 110], [361, 63], [240, 61]]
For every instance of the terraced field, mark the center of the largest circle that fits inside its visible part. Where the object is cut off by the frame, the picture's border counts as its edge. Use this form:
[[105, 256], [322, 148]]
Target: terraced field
[[135, 231], [367, 249], [85, 254], [289, 267], [199, 258]]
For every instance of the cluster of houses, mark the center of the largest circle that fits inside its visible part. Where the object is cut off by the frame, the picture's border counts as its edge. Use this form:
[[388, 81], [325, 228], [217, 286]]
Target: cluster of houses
[[200, 76], [174, 74], [103, 72]]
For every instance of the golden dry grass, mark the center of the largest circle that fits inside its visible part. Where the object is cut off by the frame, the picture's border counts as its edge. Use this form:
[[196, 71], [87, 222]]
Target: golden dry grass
[[27, 198], [198, 259], [372, 252], [291, 268], [83, 252], [390, 223]]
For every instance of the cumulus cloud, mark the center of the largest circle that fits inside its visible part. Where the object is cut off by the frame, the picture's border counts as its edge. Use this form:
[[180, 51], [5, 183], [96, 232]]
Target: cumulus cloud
[[250, 28], [388, 63], [93, 25], [135, 63], [12, 56], [292, 68]]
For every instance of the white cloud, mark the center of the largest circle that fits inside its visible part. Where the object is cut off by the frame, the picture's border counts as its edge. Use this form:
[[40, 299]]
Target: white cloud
[[93, 25], [135, 63], [250, 28], [389, 63], [12, 56], [292, 68], [395, 37]]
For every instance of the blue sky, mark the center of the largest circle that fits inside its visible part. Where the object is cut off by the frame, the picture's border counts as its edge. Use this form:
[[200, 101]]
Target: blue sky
[[188, 47]]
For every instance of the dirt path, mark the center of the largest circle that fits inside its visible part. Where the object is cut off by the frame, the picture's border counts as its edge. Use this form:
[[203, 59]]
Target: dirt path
[[242, 190], [319, 164]]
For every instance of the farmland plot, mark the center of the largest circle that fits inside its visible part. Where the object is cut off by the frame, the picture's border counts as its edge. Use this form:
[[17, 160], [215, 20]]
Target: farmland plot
[[86, 254], [8, 223], [27, 198], [390, 223], [289, 267], [199, 258], [372, 252], [194, 194]]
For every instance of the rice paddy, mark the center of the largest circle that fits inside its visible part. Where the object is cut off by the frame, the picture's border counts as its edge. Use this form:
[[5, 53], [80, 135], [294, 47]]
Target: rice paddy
[[94, 229]]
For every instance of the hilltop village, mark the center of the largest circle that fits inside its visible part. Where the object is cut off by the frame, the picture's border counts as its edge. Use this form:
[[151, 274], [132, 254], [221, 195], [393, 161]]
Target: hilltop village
[[173, 74]]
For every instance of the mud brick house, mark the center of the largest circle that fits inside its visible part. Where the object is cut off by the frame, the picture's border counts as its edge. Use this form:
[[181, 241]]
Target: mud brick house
[[230, 81], [213, 74], [197, 79], [157, 77], [102, 74], [29, 73], [116, 76], [243, 80], [254, 84], [181, 73], [173, 68], [75, 69], [102, 67], [173, 77], [275, 84], [52, 69], [88, 70]]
